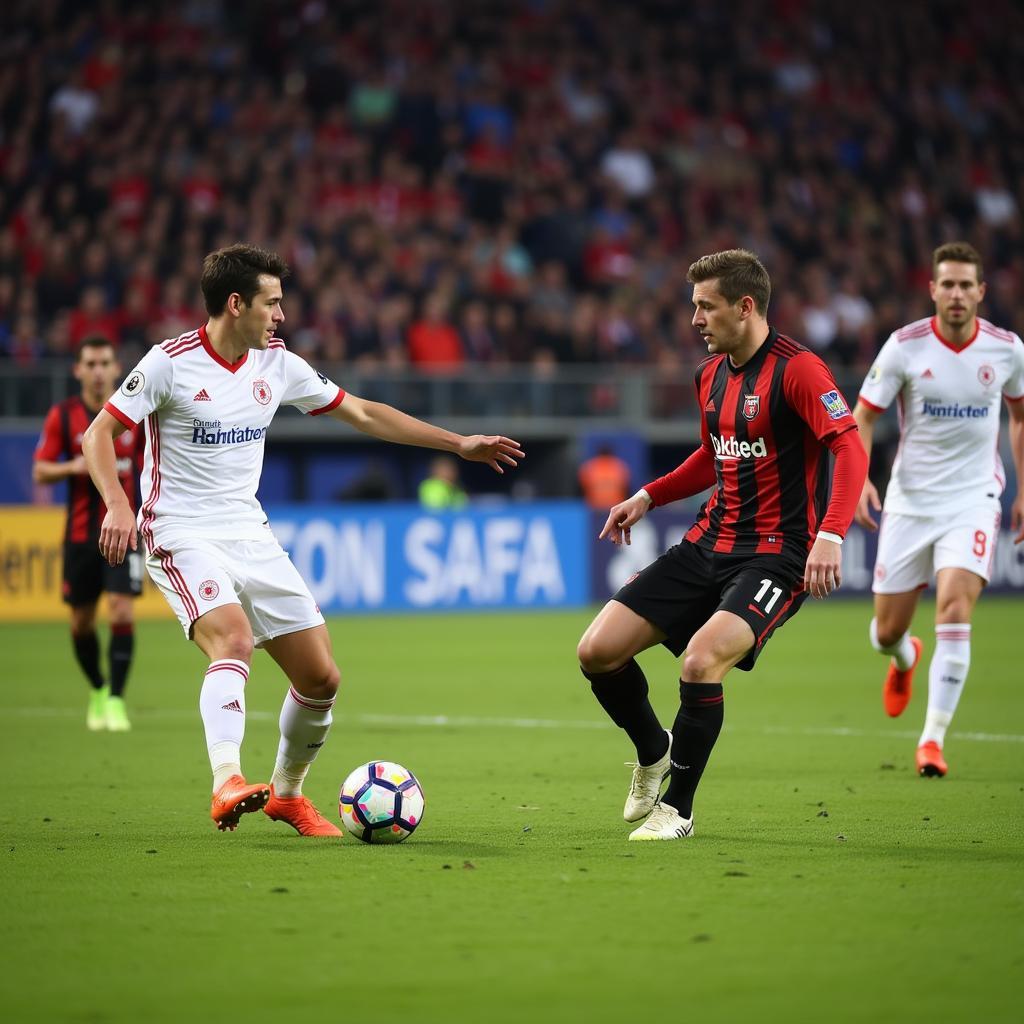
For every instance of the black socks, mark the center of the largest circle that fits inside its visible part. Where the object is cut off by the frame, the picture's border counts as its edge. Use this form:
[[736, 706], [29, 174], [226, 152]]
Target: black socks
[[623, 695], [122, 644], [87, 651], [694, 733]]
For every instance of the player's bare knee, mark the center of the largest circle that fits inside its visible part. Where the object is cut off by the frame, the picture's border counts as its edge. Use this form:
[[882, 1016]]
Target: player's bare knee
[[83, 620], [701, 665], [121, 612], [889, 635], [889, 631], [321, 683], [596, 656], [954, 609], [331, 682], [236, 645]]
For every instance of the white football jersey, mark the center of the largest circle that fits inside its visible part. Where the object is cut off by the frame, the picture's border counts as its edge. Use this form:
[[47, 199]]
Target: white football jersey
[[206, 425], [949, 403]]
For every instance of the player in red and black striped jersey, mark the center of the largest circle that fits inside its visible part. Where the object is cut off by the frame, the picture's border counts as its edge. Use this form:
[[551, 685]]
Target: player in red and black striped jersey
[[58, 456], [771, 415]]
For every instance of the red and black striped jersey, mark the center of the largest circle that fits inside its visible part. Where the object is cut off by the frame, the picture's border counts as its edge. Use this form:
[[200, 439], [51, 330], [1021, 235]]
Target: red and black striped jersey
[[63, 429], [767, 424]]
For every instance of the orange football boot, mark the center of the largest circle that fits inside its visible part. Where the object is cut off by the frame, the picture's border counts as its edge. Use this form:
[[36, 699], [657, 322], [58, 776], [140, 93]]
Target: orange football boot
[[930, 761], [235, 798], [299, 812], [897, 686]]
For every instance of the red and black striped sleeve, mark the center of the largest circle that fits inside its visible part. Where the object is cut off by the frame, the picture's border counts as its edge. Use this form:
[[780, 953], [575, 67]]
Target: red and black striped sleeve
[[51, 442], [812, 393], [851, 471], [814, 396]]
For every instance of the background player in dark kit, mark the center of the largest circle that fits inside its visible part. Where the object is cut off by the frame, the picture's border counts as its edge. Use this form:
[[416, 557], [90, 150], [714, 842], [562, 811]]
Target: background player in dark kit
[[59, 457]]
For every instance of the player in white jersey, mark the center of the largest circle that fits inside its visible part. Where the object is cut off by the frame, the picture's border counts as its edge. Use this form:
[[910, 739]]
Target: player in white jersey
[[207, 399], [950, 374]]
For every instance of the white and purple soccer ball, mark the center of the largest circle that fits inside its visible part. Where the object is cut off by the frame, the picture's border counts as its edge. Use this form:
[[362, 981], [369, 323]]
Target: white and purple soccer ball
[[381, 802]]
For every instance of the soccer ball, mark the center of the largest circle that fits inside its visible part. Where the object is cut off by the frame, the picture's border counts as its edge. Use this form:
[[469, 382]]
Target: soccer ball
[[381, 802]]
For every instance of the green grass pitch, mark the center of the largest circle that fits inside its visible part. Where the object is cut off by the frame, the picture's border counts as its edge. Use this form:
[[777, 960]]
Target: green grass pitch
[[826, 881]]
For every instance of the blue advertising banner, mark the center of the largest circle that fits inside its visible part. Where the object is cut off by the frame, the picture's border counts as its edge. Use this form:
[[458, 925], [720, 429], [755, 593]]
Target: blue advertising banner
[[398, 557]]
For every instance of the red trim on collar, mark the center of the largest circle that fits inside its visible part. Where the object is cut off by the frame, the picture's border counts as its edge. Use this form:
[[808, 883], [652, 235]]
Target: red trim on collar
[[216, 357], [949, 344]]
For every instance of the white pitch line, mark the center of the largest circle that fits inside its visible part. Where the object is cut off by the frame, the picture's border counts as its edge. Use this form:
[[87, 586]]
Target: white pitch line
[[478, 722], [903, 734]]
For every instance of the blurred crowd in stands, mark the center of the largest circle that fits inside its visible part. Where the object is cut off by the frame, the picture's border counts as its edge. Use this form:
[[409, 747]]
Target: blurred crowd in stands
[[463, 183]]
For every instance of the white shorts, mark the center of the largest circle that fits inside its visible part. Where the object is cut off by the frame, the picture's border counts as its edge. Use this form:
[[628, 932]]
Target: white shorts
[[196, 576], [911, 549]]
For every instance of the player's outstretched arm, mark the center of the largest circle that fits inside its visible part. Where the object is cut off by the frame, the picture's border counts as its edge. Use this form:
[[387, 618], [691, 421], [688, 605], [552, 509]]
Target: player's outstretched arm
[[46, 472], [1017, 450], [869, 500], [117, 533], [623, 516], [390, 424]]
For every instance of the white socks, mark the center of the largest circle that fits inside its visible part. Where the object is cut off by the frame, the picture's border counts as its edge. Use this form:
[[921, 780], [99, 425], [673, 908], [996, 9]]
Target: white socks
[[222, 705], [946, 676], [304, 725], [902, 651]]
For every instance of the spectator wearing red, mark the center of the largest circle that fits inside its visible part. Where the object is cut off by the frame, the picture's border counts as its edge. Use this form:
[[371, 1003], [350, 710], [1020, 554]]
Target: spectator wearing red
[[434, 344], [129, 194], [92, 318]]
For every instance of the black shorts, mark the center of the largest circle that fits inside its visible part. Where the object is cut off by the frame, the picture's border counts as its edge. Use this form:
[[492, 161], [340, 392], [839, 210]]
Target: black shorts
[[682, 589], [87, 574]]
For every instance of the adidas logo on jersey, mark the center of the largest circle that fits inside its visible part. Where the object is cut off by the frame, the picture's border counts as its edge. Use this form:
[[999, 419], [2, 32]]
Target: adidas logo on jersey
[[927, 375], [730, 448], [202, 396], [233, 706], [710, 407]]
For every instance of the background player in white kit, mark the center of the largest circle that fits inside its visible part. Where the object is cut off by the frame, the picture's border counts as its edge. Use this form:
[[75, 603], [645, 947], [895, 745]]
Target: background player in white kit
[[207, 398], [942, 511]]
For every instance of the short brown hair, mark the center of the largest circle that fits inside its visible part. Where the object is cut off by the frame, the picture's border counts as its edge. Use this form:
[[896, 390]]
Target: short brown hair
[[738, 273], [957, 252], [237, 268], [94, 341]]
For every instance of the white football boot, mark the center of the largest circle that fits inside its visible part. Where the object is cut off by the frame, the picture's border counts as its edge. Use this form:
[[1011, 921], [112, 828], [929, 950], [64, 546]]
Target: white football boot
[[665, 822], [645, 788]]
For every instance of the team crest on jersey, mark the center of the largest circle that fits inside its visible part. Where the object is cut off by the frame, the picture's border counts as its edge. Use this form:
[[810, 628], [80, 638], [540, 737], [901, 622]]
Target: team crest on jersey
[[986, 375], [209, 589], [261, 392], [751, 406], [134, 383], [835, 405]]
